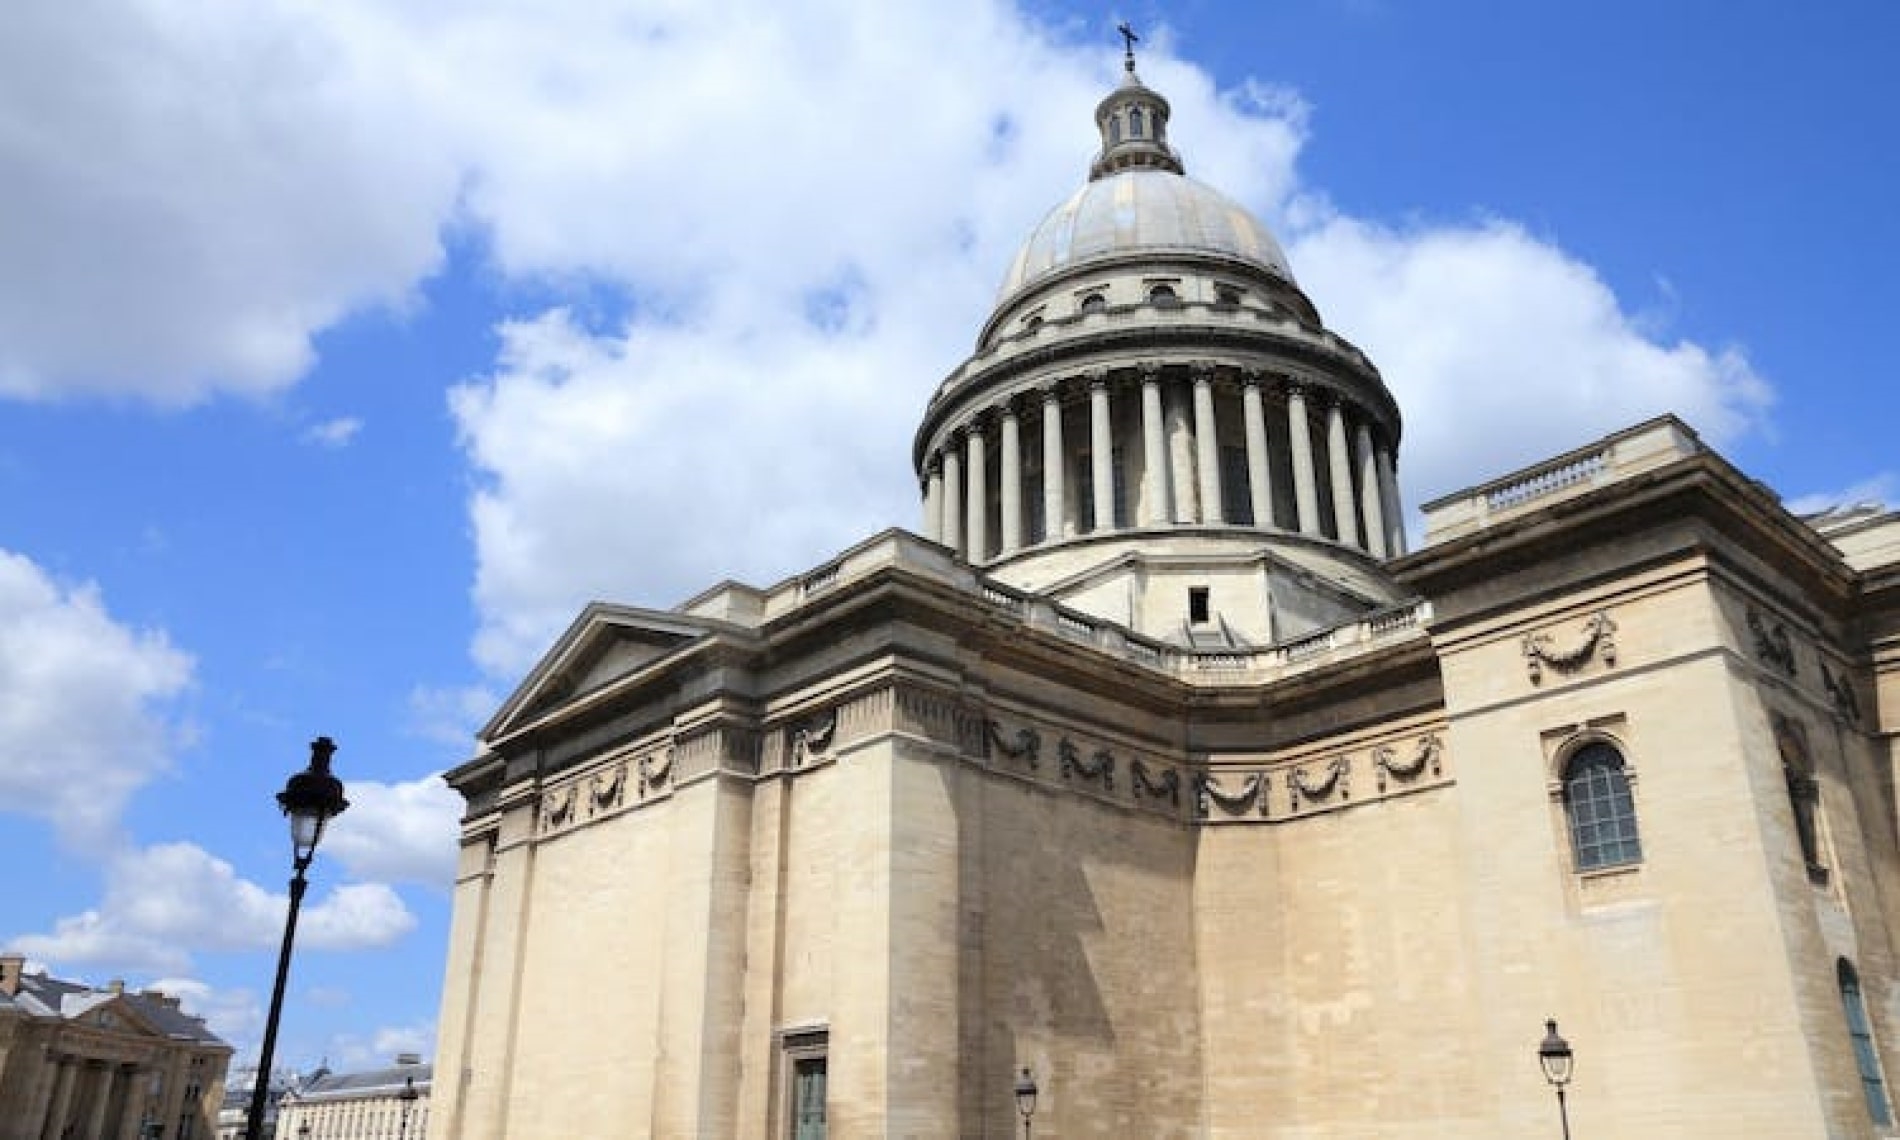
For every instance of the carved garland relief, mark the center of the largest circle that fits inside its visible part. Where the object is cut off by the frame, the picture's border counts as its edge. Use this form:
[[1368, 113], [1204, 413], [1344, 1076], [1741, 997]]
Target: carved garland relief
[[1597, 639]]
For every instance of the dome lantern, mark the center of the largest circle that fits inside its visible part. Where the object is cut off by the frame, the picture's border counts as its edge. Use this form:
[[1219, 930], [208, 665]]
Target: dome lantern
[[1134, 123]]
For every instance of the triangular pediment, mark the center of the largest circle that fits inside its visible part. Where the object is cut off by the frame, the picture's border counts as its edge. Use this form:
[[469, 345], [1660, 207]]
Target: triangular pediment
[[605, 643]]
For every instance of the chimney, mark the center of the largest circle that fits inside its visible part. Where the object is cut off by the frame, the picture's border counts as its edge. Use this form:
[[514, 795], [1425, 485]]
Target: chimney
[[11, 966], [116, 986]]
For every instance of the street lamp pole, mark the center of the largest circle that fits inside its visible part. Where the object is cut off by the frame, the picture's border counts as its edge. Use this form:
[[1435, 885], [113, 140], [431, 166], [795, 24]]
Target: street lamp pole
[[1026, 1098], [1554, 1054], [408, 1097], [311, 799]]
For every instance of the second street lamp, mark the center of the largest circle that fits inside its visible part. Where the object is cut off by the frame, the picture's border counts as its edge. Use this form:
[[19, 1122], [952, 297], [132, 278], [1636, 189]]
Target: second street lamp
[[1554, 1054], [1026, 1098], [408, 1097], [311, 799]]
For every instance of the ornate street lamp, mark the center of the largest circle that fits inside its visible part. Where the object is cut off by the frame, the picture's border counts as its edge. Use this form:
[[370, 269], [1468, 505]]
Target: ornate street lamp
[[1026, 1098], [303, 1131], [1555, 1056], [311, 799], [408, 1097]]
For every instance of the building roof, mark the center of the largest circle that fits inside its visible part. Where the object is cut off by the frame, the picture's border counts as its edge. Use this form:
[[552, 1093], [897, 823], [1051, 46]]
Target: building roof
[[1143, 212], [43, 996], [368, 1083]]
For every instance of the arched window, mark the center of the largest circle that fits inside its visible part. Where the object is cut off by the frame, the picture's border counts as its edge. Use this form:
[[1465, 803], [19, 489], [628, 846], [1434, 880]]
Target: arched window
[[1134, 122], [1599, 808], [1094, 303], [1162, 295], [1861, 1034], [1114, 129]]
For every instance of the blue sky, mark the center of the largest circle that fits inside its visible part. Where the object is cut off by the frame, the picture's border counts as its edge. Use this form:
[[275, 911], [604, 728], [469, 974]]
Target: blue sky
[[346, 352]]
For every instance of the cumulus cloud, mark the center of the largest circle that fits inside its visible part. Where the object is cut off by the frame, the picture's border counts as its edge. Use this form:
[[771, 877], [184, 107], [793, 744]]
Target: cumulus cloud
[[355, 1051], [1503, 349], [398, 833], [233, 1014], [84, 717], [238, 175], [784, 225], [334, 433], [166, 902], [451, 715], [1878, 490]]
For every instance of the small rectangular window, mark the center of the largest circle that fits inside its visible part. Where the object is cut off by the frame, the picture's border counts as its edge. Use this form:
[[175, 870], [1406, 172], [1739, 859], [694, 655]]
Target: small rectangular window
[[805, 1080], [1197, 605]]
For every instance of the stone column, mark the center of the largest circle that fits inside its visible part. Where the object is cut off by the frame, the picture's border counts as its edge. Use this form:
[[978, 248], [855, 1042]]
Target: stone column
[[101, 1081], [1370, 498], [1207, 445], [1259, 482], [1012, 489], [953, 494], [54, 1122], [1102, 448], [1154, 449], [1177, 414], [933, 500], [1052, 464], [976, 535], [1389, 494], [1345, 521], [1305, 480], [131, 1103]]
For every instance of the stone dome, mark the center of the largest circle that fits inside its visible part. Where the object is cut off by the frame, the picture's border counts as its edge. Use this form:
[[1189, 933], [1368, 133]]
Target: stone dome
[[1142, 212]]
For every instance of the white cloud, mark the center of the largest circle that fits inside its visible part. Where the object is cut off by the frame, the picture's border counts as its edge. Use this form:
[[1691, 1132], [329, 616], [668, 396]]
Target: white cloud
[[237, 1015], [83, 716], [804, 211], [349, 1052], [1504, 349], [238, 173], [334, 433], [166, 902], [1879, 489], [398, 833], [451, 715]]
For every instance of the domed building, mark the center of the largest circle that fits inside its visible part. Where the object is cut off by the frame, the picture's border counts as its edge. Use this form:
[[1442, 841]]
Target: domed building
[[1206, 463], [1156, 790]]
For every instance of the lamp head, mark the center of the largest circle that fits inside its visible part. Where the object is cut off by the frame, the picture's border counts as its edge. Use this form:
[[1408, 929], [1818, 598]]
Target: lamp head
[[1026, 1094], [311, 799], [1555, 1056]]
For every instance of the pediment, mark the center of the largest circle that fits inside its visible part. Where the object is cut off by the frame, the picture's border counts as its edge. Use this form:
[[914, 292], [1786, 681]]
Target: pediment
[[606, 643]]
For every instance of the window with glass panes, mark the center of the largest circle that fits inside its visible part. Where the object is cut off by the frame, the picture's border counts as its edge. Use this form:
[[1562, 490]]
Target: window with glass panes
[[1600, 810]]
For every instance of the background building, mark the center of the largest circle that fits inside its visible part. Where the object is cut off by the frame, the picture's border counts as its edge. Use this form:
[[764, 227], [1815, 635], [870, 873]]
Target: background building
[[102, 1064], [1160, 769], [377, 1104]]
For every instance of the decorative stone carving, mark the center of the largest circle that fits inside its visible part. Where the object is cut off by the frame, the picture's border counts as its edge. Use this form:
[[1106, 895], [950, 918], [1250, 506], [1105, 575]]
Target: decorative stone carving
[[1100, 766], [1025, 746], [1597, 639], [1840, 693], [604, 789], [1772, 643], [558, 808], [1385, 760], [812, 738], [1168, 786], [656, 771], [1252, 790], [1333, 777]]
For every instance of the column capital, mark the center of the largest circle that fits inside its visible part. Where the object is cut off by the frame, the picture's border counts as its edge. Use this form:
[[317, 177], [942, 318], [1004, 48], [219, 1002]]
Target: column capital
[[1253, 378], [1291, 386], [1203, 370], [1150, 371], [1008, 409], [1096, 377], [1050, 391]]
